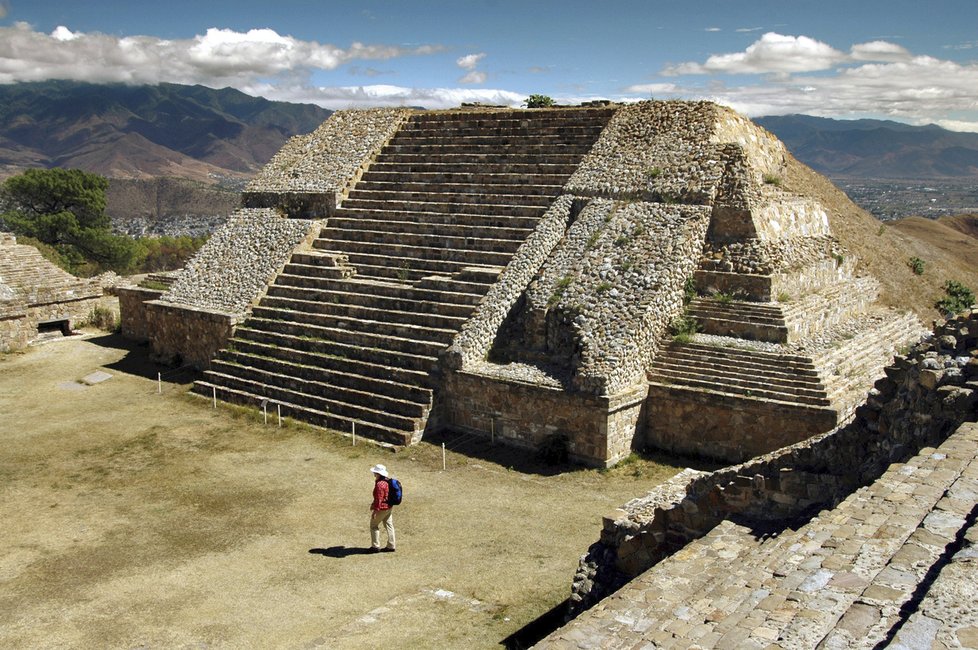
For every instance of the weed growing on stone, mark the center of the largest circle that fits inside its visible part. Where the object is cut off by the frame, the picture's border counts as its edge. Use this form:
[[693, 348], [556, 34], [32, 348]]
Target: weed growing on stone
[[784, 296], [957, 298], [603, 287], [559, 290], [683, 329], [772, 179]]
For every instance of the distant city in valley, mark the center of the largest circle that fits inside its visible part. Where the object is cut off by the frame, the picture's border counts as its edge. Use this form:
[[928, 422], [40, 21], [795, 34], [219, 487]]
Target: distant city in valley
[[896, 199]]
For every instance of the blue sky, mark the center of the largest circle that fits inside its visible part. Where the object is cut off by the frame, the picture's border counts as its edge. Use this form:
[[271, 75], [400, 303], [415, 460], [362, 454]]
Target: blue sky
[[913, 62]]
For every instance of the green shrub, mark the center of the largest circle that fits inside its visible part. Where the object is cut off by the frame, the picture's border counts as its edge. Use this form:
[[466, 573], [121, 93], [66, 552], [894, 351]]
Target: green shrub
[[772, 179], [683, 328], [103, 318], [916, 265], [784, 296], [689, 290], [539, 101], [957, 298], [604, 286]]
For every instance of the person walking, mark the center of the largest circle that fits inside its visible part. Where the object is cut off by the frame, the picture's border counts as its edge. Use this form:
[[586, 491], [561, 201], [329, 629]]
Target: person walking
[[381, 511]]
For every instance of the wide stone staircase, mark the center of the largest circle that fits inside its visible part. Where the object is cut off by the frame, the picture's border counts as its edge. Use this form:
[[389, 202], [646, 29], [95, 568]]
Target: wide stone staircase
[[349, 333], [848, 578], [750, 374]]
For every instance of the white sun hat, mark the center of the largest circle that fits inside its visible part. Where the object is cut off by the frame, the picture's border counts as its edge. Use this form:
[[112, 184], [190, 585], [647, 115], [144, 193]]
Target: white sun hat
[[380, 469]]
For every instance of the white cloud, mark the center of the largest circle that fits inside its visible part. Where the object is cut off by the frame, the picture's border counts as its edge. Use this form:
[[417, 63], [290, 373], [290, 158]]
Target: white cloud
[[773, 53], [384, 95], [220, 57], [879, 51], [469, 61], [713, 29], [474, 77], [918, 90]]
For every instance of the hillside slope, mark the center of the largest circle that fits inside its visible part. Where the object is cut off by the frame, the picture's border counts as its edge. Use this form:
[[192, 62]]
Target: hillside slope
[[885, 249]]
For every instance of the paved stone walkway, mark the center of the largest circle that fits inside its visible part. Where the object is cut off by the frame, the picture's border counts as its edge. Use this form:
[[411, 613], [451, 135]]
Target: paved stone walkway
[[894, 564]]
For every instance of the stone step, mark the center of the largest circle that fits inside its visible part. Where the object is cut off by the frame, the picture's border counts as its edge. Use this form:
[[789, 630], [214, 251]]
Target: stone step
[[425, 228], [459, 171], [316, 394], [447, 207], [287, 347], [311, 365], [772, 359], [431, 293], [324, 272], [471, 174], [363, 312], [449, 198], [430, 241], [753, 361], [458, 188], [739, 319], [297, 322], [505, 145], [561, 117], [744, 389], [369, 300], [336, 422], [500, 129], [670, 365], [489, 161], [439, 218], [270, 331], [460, 256]]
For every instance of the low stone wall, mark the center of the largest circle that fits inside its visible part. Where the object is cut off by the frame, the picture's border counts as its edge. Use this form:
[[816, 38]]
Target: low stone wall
[[923, 398], [599, 430], [181, 335], [727, 428], [15, 329], [133, 312], [780, 216]]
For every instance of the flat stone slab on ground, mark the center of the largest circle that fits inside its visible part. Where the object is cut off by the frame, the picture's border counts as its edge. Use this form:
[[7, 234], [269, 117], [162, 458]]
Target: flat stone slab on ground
[[96, 377]]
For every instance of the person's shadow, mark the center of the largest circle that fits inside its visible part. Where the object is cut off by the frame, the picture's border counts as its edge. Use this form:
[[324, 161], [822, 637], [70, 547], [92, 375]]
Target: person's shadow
[[340, 551]]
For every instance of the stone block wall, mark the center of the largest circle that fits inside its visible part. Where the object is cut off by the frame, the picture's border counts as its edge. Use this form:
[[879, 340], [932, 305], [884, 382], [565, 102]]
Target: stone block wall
[[182, 335], [599, 429], [134, 313], [727, 428], [924, 397]]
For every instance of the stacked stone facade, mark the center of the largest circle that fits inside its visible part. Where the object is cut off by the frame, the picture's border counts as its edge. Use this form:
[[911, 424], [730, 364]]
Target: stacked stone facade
[[34, 292]]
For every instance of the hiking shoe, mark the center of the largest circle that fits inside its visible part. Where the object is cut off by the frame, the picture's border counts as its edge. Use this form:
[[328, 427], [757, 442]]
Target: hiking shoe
[[389, 549], [374, 549]]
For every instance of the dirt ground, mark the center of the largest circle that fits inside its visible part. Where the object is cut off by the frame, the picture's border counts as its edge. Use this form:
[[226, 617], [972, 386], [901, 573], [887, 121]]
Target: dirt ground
[[132, 519]]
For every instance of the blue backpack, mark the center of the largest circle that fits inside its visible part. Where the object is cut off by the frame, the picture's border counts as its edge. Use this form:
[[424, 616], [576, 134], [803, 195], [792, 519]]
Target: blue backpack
[[395, 493]]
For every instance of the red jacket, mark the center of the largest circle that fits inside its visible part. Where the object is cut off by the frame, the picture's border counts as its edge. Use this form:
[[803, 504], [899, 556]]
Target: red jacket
[[381, 488]]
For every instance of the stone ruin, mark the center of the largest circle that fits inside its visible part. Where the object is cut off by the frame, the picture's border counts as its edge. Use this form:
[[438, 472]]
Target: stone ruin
[[519, 274], [38, 299]]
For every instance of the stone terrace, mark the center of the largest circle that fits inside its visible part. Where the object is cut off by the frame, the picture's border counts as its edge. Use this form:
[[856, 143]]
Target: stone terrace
[[34, 292]]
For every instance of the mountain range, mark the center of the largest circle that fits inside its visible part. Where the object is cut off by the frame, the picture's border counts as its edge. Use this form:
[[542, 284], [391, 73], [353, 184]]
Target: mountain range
[[142, 132], [877, 149]]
